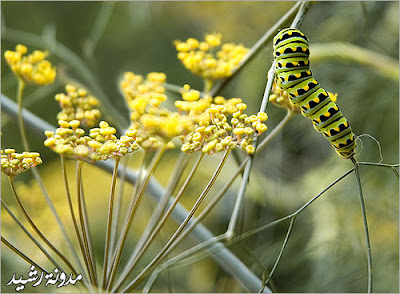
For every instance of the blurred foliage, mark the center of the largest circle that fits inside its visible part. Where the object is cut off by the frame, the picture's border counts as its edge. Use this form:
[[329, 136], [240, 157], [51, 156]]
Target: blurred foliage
[[326, 252]]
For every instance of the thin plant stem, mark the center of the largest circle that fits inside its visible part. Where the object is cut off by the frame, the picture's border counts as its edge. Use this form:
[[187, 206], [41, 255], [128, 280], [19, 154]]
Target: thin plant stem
[[279, 255], [110, 220], [20, 116], [245, 235], [4, 205], [242, 190], [118, 204], [364, 216], [172, 183], [135, 188], [36, 229], [22, 255], [82, 220], [257, 47], [153, 234], [165, 250], [162, 204], [86, 222], [128, 222], [71, 208]]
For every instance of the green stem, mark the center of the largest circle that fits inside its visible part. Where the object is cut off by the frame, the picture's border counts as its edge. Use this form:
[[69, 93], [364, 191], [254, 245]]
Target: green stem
[[364, 216], [165, 250], [83, 223], [118, 205], [279, 255], [36, 229], [71, 209], [135, 201], [110, 219], [153, 234], [4, 205], [22, 255]]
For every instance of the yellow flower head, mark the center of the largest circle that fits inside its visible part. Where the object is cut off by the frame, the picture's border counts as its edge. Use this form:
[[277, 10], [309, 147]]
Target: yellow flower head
[[210, 59], [70, 141], [13, 163], [154, 125], [32, 68], [77, 104], [218, 133]]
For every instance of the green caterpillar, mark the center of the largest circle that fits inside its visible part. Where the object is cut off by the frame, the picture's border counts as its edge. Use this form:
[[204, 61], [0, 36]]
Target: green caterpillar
[[292, 68]]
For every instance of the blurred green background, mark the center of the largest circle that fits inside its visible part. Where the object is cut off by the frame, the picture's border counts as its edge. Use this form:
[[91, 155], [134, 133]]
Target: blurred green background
[[326, 252]]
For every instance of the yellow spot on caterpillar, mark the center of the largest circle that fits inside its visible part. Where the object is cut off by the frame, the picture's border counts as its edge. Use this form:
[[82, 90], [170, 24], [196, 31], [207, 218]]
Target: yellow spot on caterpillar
[[306, 88], [337, 129], [327, 114], [295, 63], [306, 62], [293, 49], [335, 107], [309, 72], [283, 64], [345, 124], [298, 75], [304, 49], [316, 100], [315, 82], [307, 106], [318, 120], [290, 33], [281, 51]]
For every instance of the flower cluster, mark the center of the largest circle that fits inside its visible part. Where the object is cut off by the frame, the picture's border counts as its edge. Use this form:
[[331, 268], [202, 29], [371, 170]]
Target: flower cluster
[[155, 126], [32, 68], [70, 141], [77, 104], [217, 134], [196, 107], [280, 98], [13, 163], [209, 59]]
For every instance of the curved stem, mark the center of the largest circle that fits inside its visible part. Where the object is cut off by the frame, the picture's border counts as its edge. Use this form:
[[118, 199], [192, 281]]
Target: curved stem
[[109, 220], [36, 229], [364, 216], [166, 249]]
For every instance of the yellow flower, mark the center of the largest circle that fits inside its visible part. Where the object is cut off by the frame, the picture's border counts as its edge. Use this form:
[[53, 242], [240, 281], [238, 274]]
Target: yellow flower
[[32, 68], [13, 163], [209, 59], [77, 104], [70, 141], [217, 134]]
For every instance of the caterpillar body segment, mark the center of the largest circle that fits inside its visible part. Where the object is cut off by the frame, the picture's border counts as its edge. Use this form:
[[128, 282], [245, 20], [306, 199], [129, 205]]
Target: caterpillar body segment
[[293, 74]]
